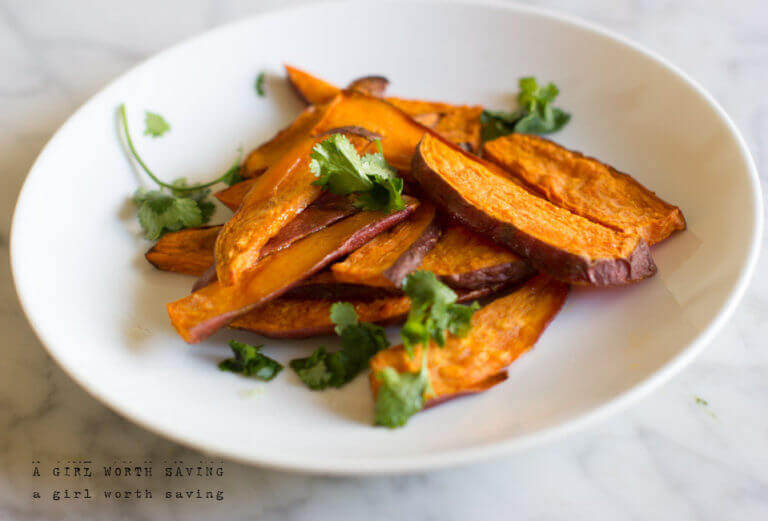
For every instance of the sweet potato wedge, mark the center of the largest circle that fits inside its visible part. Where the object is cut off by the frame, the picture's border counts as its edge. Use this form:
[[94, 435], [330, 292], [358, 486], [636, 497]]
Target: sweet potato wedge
[[555, 241], [297, 318], [501, 332], [390, 256], [460, 258], [326, 210], [400, 134], [187, 251], [310, 88], [232, 196], [269, 153], [200, 314], [457, 123], [274, 199], [586, 187], [463, 259]]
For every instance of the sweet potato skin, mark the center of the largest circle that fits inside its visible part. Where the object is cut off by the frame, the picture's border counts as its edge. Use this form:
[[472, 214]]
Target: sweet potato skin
[[501, 331], [463, 259], [187, 251], [585, 186], [390, 256], [304, 318], [370, 85], [200, 314], [555, 241]]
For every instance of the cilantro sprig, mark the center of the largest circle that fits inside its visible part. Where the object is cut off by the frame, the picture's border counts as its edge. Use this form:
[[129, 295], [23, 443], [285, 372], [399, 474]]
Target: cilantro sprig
[[359, 342], [534, 115], [176, 205], [433, 311], [401, 395], [249, 361], [373, 183]]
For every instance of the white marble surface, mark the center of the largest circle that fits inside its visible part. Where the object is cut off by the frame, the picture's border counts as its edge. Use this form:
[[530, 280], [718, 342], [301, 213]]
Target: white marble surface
[[667, 458]]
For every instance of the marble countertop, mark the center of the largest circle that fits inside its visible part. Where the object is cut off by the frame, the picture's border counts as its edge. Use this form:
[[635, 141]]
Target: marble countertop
[[667, 458]]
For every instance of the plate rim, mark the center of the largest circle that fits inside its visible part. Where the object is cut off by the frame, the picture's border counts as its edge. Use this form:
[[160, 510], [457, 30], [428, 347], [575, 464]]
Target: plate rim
[[450, 457]]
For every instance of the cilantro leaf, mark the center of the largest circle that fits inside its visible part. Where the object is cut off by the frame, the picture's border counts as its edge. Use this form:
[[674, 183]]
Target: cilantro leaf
[[401, 395], [249, 361], [535, 114], [156, 126], [258, 85], [359, 342], [433, 311], [340, 170], [160, 212]]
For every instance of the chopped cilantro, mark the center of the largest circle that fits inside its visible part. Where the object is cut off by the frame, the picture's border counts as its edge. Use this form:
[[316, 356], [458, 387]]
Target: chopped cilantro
[[258, 85], [249, 361], [433, 311], [359, 342], [534, 115], [401, 395], [372, 181], [155, 124]]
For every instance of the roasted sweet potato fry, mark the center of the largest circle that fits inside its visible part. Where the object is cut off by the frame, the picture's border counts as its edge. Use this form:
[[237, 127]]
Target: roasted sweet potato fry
[[586, 187], [203, 312], [187, 251], [390, 256], [297, 318], [555, 241], [275, 198], [232, 197], [400, 134], [457, 123], [270, 152], [463, 259], [501, 331], [326, 210], [310, 88]]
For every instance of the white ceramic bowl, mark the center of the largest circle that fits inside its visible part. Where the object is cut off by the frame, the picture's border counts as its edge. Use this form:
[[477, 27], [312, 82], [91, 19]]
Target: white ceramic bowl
[[98, 307]]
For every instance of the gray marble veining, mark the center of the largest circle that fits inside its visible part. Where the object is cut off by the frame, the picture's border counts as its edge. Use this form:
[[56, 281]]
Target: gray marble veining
[[667, 458]]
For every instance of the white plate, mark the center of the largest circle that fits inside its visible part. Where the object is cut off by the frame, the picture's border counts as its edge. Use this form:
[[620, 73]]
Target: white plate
[[99, 308]]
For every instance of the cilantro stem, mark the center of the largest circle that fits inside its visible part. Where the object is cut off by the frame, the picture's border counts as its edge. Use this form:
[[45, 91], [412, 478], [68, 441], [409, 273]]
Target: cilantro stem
[[146, 169]]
